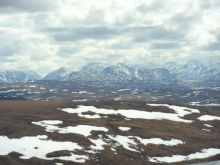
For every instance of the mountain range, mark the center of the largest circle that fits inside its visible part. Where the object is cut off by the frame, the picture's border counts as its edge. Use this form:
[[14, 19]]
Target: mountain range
[[191, 70], [12, 76]]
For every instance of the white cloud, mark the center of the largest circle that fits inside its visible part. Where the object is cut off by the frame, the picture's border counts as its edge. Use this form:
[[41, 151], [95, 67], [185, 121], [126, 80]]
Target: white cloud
[[46, 34]]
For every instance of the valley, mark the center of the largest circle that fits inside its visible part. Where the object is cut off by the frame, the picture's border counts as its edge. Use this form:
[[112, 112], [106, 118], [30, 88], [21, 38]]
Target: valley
[[193, 93]]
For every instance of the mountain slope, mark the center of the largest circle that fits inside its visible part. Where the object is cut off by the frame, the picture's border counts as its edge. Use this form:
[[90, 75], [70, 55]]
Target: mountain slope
[[193, 70], [11, 76], [156, 73], [119, 70], [57, 74], [93, 68]]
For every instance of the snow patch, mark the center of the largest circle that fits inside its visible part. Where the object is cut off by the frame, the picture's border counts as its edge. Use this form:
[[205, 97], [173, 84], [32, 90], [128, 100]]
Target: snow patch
[[80, 92], [117, 99], [80, 100], [205, 153], [124, 128], [159, 141], [120, 90], [98, 144], [38, 147], [79, 129], [207, 125], [180, 112], [208, 118]]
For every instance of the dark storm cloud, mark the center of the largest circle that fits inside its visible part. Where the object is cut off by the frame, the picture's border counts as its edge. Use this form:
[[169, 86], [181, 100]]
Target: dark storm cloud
[[165, 46], [214, 46], [76, 34], [156, 33], [13, 6]]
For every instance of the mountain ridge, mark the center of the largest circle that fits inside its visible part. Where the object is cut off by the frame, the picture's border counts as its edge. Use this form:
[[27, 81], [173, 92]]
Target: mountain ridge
[[191, 70]]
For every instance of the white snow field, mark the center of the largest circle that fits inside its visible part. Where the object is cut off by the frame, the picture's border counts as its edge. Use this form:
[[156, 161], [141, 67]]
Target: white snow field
[[208, 118], [181, 111], [136, 114], [38, 147], [79, 129], [157, 141], [205, 153], [128, 141]]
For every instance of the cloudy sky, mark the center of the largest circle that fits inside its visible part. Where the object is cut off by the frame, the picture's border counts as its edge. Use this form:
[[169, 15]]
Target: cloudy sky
[[44, 35]]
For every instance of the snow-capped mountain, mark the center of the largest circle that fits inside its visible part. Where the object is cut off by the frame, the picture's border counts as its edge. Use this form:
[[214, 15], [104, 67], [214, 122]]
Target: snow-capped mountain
[[32, 75], [193, 70], [156, 73], [11, 76], [119, 70], [213, 64], [93, 68], [73, 75], [148, 65], [171, 66], [58, 74]]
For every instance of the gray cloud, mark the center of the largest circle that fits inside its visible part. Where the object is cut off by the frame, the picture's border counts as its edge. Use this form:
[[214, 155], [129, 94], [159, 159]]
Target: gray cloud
[[157, 33], [214, 46], [155, 5], [50, 33], [4, 59], [184, 22], [94, 17], [207, 4], [78, 33], [165, 46], [36, 58], [54, 30], [8, 50], [66, 51], [139, 34], [121, 45], [216, 34], [13, 6]]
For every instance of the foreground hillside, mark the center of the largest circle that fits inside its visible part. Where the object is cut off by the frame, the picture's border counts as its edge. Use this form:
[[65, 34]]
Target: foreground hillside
[[56, 132]]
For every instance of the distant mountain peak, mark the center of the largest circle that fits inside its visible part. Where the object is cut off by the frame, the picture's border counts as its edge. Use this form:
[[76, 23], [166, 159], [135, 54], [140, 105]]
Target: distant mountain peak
[[58, 74], [12, 76]]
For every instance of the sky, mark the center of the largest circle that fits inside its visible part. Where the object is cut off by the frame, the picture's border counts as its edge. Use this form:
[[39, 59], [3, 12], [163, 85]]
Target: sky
[[45, 35]]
